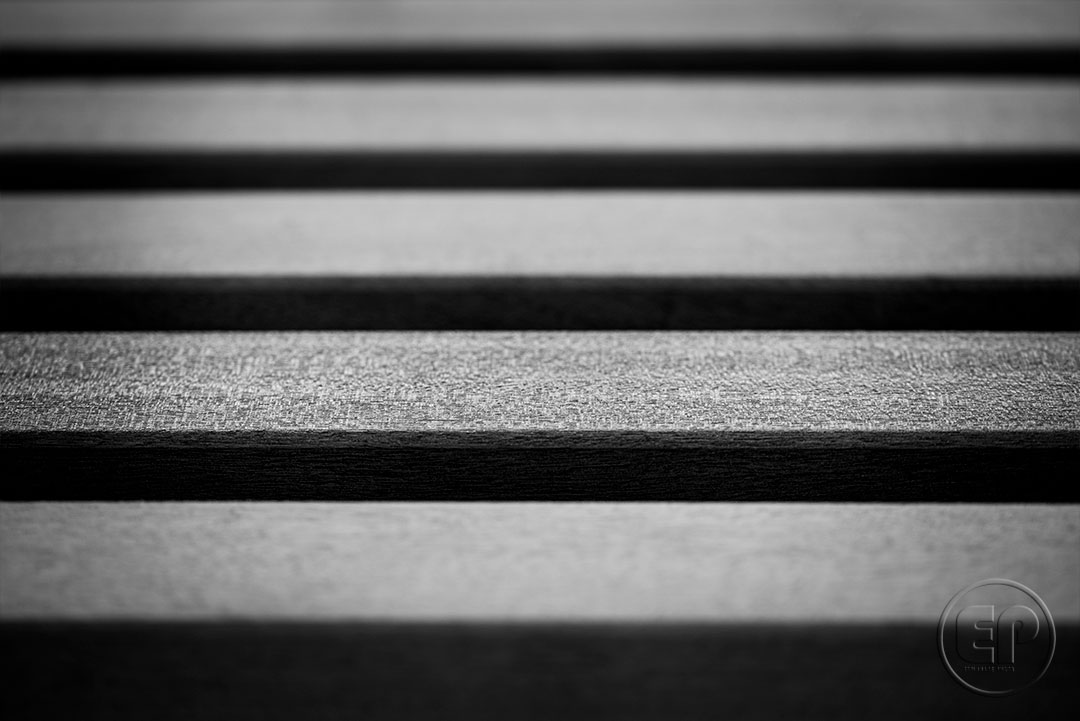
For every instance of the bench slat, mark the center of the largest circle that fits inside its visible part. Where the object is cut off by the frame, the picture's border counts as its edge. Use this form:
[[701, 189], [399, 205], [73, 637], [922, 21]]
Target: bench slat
[[308, 23], [545, 416], [559, 261], [582, 610], [848, 563], [542, 115], [540, 134]]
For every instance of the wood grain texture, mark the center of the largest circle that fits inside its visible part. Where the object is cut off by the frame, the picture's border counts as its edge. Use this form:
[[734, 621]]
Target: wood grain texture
[[718, 416], [542, 115], [659, 563], [355, 261]]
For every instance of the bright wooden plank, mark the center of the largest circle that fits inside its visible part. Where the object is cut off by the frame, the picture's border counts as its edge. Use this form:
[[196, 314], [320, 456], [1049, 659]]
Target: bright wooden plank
[[634, 235], [430, 382], [540, 562], [257, 23], [541, 416], [541, 115]]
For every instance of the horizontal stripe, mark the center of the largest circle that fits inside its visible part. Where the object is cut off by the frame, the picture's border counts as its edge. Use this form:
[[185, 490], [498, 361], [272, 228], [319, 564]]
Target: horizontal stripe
[[616, 261], [173, 670], [717, 563], [87, 39], [310, 170], [633, 235], [550, 116], [601, 23], [615, 416]]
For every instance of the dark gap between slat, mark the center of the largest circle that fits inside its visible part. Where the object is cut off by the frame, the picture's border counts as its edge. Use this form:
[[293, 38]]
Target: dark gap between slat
[[270, 670], [43, 62], [836, 466], [532, 303], [103, 170]]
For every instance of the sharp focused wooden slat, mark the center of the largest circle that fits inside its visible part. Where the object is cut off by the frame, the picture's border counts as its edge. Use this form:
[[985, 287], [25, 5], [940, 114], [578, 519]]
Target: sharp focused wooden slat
[[717, 563], [561, 261], [307, 23], [863, 416], [598, 115]]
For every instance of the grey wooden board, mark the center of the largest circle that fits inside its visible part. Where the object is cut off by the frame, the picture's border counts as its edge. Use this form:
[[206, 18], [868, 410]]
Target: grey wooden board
[[823, 563], [541, 416], [541, 115], [594, 22], [712, 383], [606, 235]]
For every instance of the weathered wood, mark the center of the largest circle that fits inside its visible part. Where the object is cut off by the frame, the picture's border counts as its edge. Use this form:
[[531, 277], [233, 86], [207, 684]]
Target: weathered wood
[[557, 261], [735, 416]]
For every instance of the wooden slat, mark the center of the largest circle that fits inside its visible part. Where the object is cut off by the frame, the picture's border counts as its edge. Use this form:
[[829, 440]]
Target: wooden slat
[[538, 134], [406, 36], [491, 260], [725, 563], [306, 23], [542, 115], [478, 610], [790, 235], [467, 36], [856, 416]]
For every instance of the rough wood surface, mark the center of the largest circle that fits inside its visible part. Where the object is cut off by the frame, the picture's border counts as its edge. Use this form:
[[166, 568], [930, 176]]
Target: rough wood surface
[[648, 382], [840, 416], [720, 563], [542, 115]]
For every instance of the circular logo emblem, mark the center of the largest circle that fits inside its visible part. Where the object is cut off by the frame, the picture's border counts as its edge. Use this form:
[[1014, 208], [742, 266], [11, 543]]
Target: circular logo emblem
[[996, 637]]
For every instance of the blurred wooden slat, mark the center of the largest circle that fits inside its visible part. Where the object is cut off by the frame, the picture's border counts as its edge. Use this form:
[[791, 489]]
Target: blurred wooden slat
[[538, 133], [894, 37], [304, 23], [790, 235], [505, 260], [513, 610], [547, 416], [542, 115], [720, 563]]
